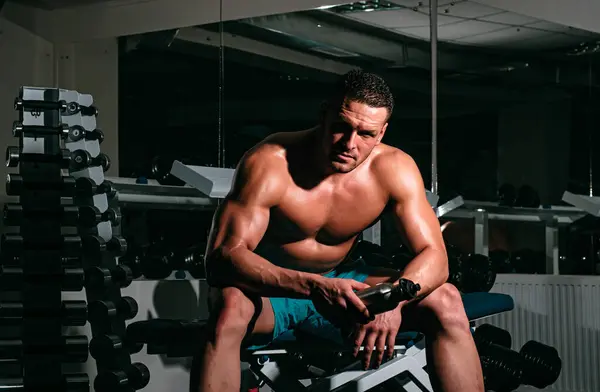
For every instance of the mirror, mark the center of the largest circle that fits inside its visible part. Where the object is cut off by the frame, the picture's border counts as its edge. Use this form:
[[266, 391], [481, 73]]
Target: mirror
[[518, 131]]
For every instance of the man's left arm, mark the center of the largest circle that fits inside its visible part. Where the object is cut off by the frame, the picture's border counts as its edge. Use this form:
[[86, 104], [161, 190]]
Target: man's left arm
[[417, 223]]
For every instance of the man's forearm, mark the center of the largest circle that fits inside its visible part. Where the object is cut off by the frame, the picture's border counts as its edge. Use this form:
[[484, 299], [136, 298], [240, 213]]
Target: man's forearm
[[248, 271], [429, 269]]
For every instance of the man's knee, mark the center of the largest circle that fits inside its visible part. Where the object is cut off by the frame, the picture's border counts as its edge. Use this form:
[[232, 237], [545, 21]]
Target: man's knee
[[445, 310], [232, 312]]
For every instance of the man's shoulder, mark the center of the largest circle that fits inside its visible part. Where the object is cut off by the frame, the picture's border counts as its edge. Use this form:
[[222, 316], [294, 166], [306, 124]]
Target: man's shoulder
[[389, 158], [397, 172]]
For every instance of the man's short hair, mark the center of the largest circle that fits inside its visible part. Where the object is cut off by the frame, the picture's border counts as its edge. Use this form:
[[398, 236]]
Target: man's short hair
[[363, 87]]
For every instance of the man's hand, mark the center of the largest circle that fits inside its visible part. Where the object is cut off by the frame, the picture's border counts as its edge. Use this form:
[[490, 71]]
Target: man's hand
[[336, 300], [378, 334]]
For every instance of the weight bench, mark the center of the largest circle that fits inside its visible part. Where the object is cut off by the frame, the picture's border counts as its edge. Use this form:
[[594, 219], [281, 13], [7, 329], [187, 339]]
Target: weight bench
[[302, 361]]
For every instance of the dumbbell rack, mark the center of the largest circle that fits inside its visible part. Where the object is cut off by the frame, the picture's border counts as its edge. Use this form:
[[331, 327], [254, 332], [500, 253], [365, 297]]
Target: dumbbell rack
[[65, 242]]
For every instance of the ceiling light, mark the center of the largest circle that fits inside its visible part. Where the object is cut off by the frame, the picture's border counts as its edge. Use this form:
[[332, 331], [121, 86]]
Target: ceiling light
[[366, 6]]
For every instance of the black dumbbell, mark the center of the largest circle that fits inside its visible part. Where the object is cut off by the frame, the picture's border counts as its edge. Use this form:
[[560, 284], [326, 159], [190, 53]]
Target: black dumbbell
[[15, 213], [133, 260], [477, 274], [81, 159], [191, 260], [502, 367], [73, 313], [93, 245], [487, 334], [455, 275], [90, 216], [77, 132], [125, 308], [67, 108], [97, 277], [12, 278], [527, 197], [19, 130], [135, 377], [15, 184], [541, 364], [78, 382], [103, 347], [74, 349], [507, 195], [15, 243], [86, 187], [161, 170], [14, 156], [501, 261]]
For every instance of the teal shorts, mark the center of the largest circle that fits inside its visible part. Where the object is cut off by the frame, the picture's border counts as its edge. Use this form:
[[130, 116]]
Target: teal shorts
[[291, 314]]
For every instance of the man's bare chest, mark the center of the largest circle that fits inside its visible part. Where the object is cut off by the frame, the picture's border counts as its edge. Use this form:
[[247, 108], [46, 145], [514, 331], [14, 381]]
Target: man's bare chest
[[330, 216]]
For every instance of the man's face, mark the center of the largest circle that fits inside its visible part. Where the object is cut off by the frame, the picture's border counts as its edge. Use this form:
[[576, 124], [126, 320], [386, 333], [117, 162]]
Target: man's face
[[350, 134]]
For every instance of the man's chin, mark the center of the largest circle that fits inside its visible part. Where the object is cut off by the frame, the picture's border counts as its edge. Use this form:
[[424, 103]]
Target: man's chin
[[340, 167]]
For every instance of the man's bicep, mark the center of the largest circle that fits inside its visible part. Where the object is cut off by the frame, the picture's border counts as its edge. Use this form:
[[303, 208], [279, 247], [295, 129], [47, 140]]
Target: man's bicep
[[243, 218], [237, 223]]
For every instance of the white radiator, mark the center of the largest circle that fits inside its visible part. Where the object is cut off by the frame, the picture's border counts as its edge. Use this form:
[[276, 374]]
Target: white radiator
[[560, 311]]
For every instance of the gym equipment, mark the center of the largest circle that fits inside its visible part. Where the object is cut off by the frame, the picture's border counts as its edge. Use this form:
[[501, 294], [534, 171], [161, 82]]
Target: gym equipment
[[161, 170], [104, 347], [507, 195], [99, 220], [477, 274], [73, 313], [72, 349], [527, 197], [303, 360], [501, 261], [125, 308], [33, 265], [81, 159], [73, 133], [57, 130], [135, 376], [16, 185], [78, 382], [487, 334], [536, 364], [541, 364], [470, 273]]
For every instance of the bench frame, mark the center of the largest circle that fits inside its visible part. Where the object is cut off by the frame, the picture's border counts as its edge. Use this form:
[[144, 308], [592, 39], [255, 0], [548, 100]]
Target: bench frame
[[407, 369]]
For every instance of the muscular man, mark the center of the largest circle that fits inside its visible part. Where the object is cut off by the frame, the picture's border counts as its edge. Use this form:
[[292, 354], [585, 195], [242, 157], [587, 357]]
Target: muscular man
[[277, 253]]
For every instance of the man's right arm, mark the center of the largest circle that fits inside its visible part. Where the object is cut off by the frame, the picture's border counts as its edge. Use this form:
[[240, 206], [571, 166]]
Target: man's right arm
[[239, 224]]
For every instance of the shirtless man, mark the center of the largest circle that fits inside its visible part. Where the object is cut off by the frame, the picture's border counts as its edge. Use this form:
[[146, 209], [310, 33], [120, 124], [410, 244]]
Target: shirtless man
[[277, 250]]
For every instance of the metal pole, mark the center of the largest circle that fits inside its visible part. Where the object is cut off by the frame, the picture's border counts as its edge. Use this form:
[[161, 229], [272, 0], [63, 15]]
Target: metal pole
[[221, 131], [590, 119], [433, 28]]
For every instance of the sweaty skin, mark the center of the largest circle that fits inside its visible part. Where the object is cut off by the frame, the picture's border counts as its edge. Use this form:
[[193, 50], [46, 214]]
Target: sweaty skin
[[286, 197], [297, 204]]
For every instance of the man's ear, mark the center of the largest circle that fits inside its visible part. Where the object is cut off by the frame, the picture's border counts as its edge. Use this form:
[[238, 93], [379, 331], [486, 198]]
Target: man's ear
[[381, 133]]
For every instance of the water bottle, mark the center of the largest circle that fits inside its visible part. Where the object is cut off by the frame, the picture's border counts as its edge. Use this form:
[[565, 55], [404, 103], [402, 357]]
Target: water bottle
[[386, 296]]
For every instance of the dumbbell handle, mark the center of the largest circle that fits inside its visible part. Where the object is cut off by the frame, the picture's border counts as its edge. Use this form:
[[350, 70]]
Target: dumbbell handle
[[73, 313], [71, 383], [63, 106], [15, 185], [19, 129]]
